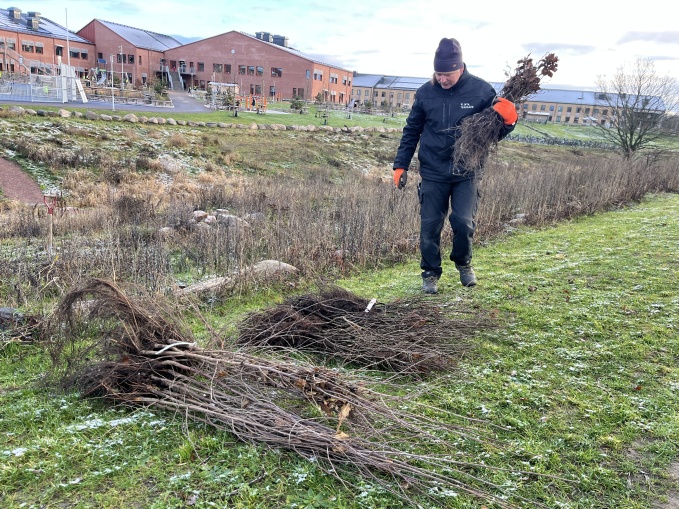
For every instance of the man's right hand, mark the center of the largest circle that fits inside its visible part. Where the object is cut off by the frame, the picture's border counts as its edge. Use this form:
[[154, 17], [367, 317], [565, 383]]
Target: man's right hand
[[400, 177]]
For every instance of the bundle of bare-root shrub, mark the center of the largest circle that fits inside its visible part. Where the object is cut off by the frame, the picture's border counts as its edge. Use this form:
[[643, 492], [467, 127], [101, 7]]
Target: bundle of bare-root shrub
[[126, 351], [478, 134], [411, 337]]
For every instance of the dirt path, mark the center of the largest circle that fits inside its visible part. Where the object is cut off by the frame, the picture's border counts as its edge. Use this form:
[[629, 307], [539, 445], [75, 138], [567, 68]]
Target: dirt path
[[16, 184]]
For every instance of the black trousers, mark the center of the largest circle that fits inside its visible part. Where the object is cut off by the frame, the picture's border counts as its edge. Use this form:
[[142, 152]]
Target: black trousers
[[436, 199]]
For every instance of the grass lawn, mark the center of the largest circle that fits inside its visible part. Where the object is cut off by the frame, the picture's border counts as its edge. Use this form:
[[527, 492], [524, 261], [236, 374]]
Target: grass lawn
[[581, 372]]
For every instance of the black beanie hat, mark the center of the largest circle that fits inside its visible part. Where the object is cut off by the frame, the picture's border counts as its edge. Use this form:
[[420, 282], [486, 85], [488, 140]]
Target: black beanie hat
[[448, 56]]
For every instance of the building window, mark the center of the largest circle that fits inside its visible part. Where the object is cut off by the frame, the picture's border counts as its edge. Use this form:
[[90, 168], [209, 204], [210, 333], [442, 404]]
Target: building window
[[251, 70], [75, 54], [100, 56], [130, 58], [27, 46], [559, 109], [558, 118], [260, 71], [217, 68], [228, 68], [534, 107], [39, 49], [201, 66], [543, 107], [367, 93], [241, 69], [568, 110], [139, 59], [568, 119], [551, 108], [308, 74], [83, 55]]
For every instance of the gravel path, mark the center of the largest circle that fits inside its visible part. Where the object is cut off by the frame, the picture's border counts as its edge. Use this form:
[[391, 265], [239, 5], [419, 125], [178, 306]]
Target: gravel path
[[16, 184]]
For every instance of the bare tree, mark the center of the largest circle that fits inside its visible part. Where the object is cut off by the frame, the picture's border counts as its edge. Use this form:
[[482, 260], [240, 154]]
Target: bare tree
[[639, 102]]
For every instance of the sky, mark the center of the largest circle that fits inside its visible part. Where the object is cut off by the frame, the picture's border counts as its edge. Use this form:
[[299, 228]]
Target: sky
[[591, 38]]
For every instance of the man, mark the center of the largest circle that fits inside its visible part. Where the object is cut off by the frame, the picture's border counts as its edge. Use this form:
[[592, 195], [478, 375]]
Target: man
[[440, 106]]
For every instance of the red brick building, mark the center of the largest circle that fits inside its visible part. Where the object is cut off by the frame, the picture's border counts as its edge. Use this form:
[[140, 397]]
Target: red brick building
[[30, 43], [262, 65], [135, 53], [259, 67]]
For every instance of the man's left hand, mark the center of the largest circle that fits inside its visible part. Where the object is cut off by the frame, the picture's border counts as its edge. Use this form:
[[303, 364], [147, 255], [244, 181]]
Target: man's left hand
[[506, 110]]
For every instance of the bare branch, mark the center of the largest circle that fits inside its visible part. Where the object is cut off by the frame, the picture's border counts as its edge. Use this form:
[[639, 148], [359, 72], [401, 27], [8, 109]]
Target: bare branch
[[639, 101]]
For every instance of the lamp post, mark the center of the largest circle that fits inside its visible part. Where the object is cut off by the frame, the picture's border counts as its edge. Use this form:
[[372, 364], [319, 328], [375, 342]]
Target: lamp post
[[233, 76], [113, 95], [122, 83]]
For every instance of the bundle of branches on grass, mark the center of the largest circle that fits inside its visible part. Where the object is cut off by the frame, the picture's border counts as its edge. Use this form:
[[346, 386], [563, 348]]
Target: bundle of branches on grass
[[478, 134], [15, 327], [414, 337], [137, 357]]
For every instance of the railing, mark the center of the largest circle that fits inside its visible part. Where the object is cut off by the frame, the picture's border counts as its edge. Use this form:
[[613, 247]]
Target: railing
[[48, 90], [13, 55]]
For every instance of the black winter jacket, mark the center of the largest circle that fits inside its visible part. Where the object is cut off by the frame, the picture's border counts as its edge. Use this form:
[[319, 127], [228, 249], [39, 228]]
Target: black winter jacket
[[432, 121]]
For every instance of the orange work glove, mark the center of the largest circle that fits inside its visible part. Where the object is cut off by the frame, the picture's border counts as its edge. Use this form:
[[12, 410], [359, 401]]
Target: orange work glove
[[400, 177], [506, 110]]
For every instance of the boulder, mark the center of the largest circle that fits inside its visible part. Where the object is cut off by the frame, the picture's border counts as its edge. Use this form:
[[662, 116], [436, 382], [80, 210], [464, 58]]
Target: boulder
[[199, 215]]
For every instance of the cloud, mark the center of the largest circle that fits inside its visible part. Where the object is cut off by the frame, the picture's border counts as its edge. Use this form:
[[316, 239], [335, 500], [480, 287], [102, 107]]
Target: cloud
[[658, 58], [538, 49], [657, 37]]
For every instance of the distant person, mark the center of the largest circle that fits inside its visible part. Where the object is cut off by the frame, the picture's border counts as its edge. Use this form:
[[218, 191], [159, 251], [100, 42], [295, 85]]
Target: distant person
[[440, 105]]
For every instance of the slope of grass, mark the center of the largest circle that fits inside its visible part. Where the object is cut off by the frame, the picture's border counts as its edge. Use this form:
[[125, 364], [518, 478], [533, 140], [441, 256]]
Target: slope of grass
[[582, 369]]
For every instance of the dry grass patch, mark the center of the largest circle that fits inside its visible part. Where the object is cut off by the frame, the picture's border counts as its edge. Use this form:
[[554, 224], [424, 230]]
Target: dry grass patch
[[177, 140]]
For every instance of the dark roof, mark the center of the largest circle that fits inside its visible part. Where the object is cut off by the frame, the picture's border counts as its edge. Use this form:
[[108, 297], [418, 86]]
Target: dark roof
[[407, 83], [278, 46], [142, 38], [295, 52], [381, 81], [46, 28], [366, 80]]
